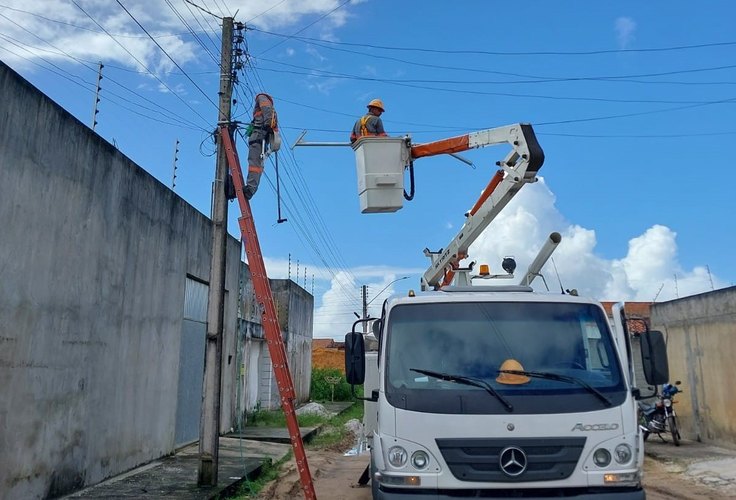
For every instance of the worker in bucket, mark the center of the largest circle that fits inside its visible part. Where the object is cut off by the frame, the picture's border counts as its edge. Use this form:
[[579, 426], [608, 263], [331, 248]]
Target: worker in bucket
[[370, 124], [264, 138]]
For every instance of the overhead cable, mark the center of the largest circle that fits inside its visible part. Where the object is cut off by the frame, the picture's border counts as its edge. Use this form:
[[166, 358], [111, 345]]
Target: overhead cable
[[167, 55], [508, 53], [139, 62]]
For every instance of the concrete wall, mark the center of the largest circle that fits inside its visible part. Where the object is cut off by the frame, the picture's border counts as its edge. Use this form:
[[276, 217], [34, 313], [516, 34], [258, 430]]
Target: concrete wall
[[94, 256], [294, 307], [701, 346]]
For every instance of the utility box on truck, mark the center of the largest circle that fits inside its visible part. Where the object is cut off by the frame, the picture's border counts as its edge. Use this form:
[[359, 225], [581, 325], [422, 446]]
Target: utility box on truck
[[380, 163]]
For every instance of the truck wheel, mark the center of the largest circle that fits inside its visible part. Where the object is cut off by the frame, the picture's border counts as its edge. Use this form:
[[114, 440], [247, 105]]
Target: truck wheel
[[674, 430], [374, 484]]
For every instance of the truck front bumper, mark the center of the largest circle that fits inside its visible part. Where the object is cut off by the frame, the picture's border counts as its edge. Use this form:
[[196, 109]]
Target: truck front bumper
[[526, 494]]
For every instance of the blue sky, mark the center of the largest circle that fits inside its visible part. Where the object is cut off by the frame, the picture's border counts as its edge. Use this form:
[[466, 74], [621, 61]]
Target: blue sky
[[631, 101]]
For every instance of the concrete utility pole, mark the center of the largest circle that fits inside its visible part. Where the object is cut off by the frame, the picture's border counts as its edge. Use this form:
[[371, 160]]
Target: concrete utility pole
[[209, 427]]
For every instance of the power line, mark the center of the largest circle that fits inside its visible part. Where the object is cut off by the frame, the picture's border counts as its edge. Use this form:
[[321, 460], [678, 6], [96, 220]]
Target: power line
[[305, 27], [312, 213], [166, 54], [310, 203], [503, 73], [508, 53], [72, 25], [61, 52], [189, 28], [638, 113], [217, 38], [221, 8], [638, 136], [265, 11], [536, 80], [203, 9], [71, 77], [403, 83], [139, 62]]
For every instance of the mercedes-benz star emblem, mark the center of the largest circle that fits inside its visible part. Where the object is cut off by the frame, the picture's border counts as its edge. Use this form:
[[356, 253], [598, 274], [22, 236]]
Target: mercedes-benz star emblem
[[512, 461]]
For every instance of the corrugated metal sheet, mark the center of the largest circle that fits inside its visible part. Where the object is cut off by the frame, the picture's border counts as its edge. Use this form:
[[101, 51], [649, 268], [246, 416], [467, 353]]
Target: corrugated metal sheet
[[189, 391], [191, 362], [195, 301]]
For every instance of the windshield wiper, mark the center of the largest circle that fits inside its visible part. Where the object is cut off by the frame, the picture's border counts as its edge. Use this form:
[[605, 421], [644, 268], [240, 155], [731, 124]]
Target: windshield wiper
[[562, 378], [463, 379]]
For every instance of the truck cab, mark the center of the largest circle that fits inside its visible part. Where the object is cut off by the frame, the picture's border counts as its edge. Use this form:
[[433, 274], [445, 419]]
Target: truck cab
[[499, 392]]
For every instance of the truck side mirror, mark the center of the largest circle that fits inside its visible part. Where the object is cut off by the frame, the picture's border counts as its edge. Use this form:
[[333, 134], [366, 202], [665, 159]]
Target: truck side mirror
[[354, 358], [377, 329], [654, 358]]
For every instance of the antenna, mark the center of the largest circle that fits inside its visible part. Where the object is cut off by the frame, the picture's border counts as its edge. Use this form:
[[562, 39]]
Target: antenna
[[710, 278], [562, 289], [677, 290]]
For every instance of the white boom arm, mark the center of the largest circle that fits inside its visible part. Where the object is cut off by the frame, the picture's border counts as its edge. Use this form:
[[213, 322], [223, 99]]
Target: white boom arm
[[544, 254], [518, 168]]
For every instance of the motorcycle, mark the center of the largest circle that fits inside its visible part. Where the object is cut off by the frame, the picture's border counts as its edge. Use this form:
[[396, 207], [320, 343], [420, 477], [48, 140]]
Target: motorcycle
[[660, 417]]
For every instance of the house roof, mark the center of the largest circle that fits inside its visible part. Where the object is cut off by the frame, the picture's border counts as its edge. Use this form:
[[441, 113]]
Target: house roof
[[634, 312], [323, 343]]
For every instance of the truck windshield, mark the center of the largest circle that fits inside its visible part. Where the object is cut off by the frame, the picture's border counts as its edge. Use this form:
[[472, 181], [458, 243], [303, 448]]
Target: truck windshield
[[568, 347]]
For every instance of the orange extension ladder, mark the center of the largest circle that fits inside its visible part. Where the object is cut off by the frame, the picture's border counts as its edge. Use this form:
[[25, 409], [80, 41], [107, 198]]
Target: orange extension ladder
[[270, 322]]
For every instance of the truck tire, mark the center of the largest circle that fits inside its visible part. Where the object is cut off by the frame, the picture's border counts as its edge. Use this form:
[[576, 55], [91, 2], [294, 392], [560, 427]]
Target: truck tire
[[374, 484]]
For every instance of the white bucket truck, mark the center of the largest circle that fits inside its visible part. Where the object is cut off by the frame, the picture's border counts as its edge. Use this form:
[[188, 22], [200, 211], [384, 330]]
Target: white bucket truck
[[496, 391]]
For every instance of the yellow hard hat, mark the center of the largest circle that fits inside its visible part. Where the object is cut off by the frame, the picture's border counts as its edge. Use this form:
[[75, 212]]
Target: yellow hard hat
[[376, 103], [511, 378]]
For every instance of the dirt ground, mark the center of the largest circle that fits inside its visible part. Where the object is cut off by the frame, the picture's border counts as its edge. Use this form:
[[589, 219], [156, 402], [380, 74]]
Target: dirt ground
[[668, 476], [335, 475]]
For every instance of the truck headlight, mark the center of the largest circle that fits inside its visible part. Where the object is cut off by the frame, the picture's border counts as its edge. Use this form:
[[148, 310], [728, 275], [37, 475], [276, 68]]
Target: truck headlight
[[419, 459], [397, 456], [602, 457], [622, 453]]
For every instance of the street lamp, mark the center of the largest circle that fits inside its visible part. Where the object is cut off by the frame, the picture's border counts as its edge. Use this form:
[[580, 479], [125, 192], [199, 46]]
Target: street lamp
[[367, 302], [383, 290]]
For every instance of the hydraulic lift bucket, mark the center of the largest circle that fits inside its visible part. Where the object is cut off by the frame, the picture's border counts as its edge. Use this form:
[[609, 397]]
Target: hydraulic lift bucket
[[380, 163]]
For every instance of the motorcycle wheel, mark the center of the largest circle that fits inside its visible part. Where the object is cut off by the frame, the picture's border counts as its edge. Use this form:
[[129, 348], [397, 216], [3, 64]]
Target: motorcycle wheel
[[674, 430], [645, 435]]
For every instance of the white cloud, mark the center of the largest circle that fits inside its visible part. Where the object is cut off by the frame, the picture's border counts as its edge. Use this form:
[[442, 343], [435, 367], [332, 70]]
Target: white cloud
[[273, 14], [80, 37], [650, 263], [334, 315], [625, 31], [521, 229], [315, 53]]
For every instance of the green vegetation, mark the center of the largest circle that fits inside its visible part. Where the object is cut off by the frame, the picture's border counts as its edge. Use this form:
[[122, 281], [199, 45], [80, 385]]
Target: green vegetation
[[269, 472], [333, 431], [276, 418], [333, 436], [321, 387]]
